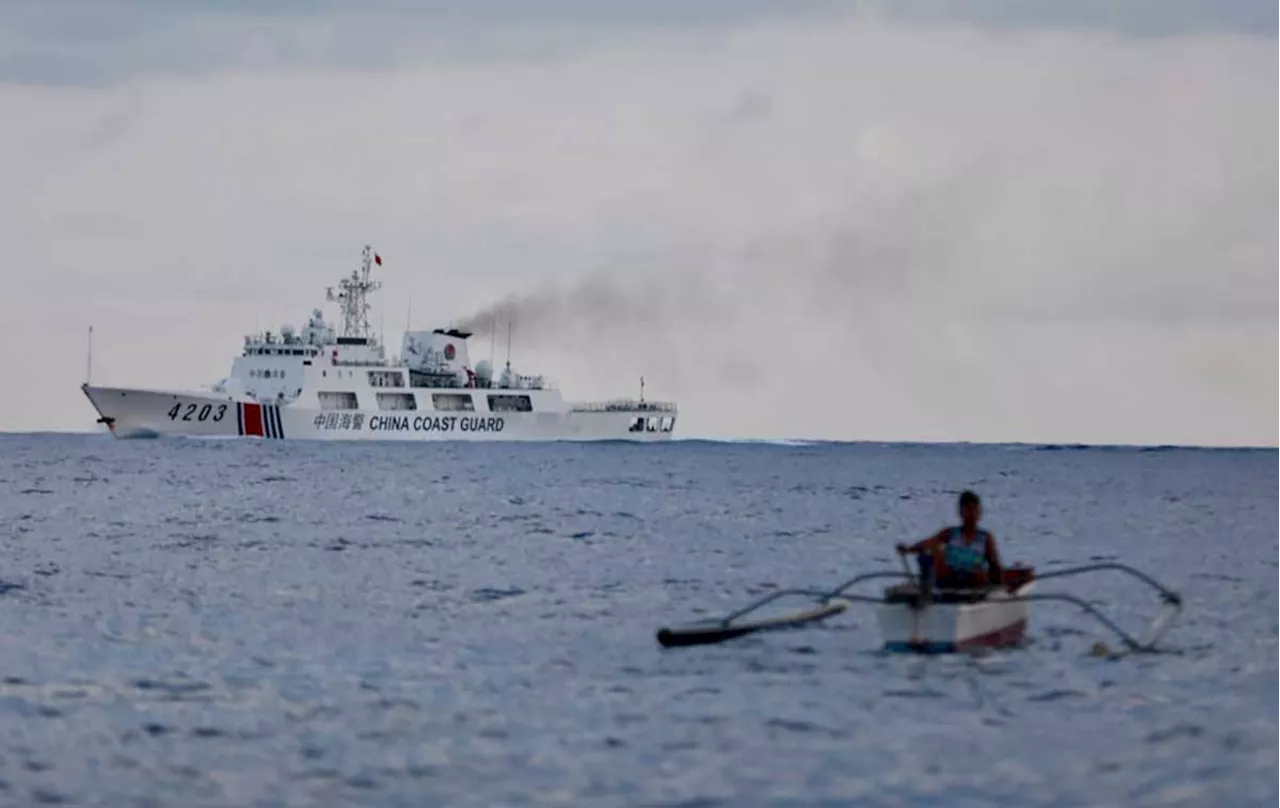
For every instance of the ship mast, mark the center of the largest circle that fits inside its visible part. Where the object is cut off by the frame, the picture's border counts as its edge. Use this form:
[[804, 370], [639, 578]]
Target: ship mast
[[353, 297], [88, 360]]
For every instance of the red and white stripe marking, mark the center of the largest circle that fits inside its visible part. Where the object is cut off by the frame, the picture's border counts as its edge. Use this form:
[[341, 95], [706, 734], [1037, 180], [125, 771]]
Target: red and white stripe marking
[[260, 420]]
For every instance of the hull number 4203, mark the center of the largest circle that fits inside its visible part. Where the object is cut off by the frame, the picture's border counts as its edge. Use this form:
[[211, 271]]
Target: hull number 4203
[[197, 412]]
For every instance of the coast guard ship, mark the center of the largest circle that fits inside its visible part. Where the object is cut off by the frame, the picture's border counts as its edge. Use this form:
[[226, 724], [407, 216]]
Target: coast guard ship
[[318, 384]]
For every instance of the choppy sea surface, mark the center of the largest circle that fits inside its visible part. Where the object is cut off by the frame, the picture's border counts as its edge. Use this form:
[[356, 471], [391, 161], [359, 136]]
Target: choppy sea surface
[[228, 623]]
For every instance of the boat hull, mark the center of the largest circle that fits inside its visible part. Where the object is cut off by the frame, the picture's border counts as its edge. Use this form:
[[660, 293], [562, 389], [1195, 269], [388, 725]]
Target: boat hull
[[942, 627], [141, 413]]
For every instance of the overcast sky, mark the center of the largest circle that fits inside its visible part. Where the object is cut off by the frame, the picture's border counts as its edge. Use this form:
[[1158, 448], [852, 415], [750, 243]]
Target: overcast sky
[[1020, 220]]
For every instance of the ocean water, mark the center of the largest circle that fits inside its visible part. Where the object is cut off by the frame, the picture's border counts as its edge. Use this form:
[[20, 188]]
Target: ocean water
[[227, 623]]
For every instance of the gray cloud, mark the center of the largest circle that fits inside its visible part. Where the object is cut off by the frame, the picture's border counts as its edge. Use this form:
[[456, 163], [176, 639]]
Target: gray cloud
[[96, 42], [99, 42], [1127, 17]]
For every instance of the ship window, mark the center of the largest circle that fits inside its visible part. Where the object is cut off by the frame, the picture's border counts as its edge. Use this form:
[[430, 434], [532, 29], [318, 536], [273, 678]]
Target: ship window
[[453, 402], [668, 423], [397, 401], [500, 403], [652, 425], [386, 378], [637, 425], [337, 400]]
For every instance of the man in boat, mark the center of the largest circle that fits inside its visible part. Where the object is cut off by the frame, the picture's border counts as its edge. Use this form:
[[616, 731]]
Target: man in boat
[[960, 557]]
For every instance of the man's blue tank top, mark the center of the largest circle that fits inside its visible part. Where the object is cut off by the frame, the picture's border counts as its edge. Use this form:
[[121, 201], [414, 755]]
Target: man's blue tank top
[[962, 556]]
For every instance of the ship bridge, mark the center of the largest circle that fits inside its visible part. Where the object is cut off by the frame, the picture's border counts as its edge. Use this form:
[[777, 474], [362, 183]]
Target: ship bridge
[[274, 365]]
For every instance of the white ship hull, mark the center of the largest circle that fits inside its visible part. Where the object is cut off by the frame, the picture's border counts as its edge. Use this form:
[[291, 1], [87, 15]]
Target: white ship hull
[[140, 413]]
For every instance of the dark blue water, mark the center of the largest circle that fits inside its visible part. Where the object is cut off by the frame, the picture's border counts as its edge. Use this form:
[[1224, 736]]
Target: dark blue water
[[221, 623]]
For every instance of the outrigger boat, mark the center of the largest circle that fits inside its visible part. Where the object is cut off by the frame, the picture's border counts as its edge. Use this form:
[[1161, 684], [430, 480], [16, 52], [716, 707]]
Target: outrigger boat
[[916, 618]]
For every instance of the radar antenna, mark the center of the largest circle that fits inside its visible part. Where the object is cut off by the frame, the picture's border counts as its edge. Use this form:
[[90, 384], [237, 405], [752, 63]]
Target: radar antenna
[[509, 343], [353, 294]]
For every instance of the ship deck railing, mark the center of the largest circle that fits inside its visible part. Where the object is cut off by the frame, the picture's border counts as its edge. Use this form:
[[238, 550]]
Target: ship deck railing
[[624, 405]]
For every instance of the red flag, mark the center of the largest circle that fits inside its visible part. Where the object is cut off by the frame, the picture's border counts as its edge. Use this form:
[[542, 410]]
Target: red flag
[[377, 259]]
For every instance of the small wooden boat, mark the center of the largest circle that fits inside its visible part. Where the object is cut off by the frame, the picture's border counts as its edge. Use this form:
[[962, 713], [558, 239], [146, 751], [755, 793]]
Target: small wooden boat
[[955, 620], [922, 619]]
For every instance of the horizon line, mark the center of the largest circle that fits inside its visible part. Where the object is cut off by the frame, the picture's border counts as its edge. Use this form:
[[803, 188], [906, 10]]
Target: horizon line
[[956, 442]]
